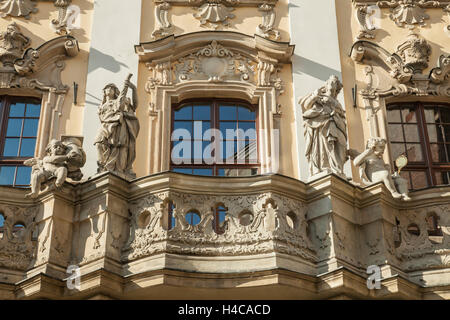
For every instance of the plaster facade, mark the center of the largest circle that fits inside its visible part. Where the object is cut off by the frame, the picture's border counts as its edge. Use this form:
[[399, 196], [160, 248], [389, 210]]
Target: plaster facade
[[288, 233]]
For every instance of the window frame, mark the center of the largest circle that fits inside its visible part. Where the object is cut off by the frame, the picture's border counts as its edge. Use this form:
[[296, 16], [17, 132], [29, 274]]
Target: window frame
[[5, 104], [427, 165], [215, 120]]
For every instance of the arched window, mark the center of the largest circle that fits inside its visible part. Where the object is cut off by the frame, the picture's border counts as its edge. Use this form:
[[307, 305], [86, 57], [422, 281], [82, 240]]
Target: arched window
[[19, 125], [2, 225], [215, 138], [171, 221], [193, 218], [421, 131]]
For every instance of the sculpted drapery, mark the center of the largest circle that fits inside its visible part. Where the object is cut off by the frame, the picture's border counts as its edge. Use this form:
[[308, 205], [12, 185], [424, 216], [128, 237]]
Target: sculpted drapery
[[325, 129], [116, 138]]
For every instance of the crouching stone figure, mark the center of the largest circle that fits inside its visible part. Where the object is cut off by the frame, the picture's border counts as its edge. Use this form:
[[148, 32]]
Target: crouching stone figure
[[373, 169], [63, 160]]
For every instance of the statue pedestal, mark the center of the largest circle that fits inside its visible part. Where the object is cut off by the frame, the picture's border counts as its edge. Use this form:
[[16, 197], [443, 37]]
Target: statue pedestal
[[320, 175]]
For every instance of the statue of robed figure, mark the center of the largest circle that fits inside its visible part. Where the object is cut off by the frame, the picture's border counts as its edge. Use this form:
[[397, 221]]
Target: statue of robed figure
[[116, 138]]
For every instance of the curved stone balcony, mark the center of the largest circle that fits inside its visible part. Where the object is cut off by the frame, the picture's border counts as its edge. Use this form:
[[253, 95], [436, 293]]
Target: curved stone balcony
[[281, 239]]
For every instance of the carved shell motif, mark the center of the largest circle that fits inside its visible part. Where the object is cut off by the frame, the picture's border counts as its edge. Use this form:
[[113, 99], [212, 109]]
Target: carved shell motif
[[214, 13]]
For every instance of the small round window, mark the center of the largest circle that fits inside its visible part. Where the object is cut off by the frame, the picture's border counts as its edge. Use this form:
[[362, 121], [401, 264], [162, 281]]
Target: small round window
[[193, 218], [245, 218]]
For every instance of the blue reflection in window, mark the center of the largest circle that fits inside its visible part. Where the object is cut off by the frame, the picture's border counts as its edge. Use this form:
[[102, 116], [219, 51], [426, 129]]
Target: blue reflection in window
[[193, 218], [182, 170], [183, 125], [246, 114], [30, 127], [184, 113], [7, 175], [17, 110], [203, 172], [14, 128], [23, 176], [202, 112], [2, 220], [227, 113], [33, 110], [27, 148], [11, 147]]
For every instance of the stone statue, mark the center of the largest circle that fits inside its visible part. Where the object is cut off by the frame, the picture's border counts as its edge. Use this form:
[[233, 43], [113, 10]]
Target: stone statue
[[116, 138], [325, 129], [373, 169], [12, 45], [63, 160]]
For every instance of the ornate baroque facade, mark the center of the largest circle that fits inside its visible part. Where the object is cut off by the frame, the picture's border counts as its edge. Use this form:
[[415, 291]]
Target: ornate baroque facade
[[115, 158]]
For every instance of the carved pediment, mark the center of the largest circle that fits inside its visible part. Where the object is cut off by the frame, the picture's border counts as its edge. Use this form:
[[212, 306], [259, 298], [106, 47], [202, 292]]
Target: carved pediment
[[405, 67], [213, 57], [41, 67]]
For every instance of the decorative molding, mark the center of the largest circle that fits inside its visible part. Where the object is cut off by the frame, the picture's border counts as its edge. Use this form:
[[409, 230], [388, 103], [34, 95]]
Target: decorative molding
[[216, 14], [267, 231], [17, 248], [163, 25], [61, 23], [405, 67], [363, 19]]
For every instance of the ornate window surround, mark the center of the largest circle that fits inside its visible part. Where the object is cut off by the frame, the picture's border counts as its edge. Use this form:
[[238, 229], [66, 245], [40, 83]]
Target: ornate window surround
[[228, 65], [38, 75], [399, 78]]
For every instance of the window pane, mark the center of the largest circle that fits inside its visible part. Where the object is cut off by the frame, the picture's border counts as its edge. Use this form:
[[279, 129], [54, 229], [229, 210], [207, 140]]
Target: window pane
[[184, 125], [206, 134], [203, 172], [442, 178], [431, 115], [397, 150], [246, 114], [393, 115], [445, 115], [433, 135], [224, 126], [202, 112], [229, 150], [17, 110], [30, 127], [439, 152], [408, 115], [227, 113], [414, 152], [419, 179], [23, 176], [182, 170], [184, 113], [249, 130], [7, 175], [411, 133], [27, 148], [33, 110], [192, 218], [11, 148], [395, 132], [14, 128]]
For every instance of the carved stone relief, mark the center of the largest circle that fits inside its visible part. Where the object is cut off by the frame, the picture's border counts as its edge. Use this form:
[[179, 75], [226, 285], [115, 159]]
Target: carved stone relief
[[266, 227], [215, 14], [417, 249], [12, 46], [17, 248], [363, 18], [17, 8], [409, 13]]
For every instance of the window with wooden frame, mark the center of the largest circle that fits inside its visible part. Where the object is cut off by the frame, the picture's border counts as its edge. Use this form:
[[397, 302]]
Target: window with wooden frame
[[19, 118], [215, 137], [421, 132]]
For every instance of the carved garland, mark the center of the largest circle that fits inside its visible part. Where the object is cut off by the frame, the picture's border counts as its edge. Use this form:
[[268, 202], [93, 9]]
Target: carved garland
[[216, 13]]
